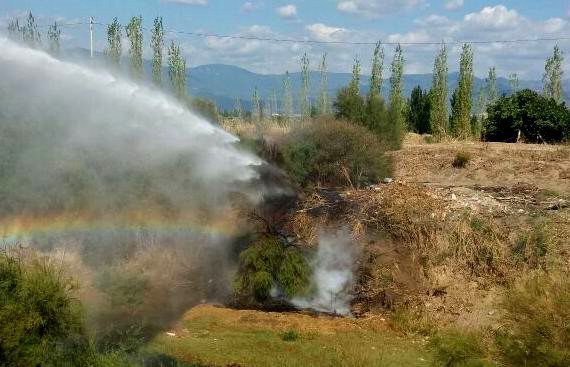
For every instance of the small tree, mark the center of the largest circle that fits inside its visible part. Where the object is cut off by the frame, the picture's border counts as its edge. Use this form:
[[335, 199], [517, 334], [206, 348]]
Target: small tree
[[376, 73], [238, 110], [177, 71], [30, 32], [553, 73], [255, 107], [514, 83], [114, 48], [134, 33], [324, 104], [305, 83], [439, 116], [395, 131], [287, 97], [157, 43], [15, 31], [491, 85], [349, 103], [418, 114], [54, 35]]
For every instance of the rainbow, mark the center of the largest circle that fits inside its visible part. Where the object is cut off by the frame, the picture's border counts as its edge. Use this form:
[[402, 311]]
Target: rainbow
[[23, 227]]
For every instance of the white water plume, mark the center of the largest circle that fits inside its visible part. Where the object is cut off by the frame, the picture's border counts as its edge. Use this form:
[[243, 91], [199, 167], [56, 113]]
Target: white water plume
[[333, 274], [68, 112]]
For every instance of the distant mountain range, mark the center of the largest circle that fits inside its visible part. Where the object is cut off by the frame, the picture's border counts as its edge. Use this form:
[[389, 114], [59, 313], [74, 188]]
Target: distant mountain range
[[225, 83]]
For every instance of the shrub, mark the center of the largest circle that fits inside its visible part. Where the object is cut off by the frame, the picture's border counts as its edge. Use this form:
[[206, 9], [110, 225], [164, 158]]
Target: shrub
[[537, 328], [539, 119], [456, 349], [267, 264], [289, 336], [333, 152], [40, 321], [461, 159]]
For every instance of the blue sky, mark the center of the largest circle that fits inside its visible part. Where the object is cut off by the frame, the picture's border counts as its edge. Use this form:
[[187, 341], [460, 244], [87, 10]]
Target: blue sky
[[328, 20]]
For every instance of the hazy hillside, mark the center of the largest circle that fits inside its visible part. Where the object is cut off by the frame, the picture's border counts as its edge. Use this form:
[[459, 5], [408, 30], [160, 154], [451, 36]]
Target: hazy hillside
[[225, 83]]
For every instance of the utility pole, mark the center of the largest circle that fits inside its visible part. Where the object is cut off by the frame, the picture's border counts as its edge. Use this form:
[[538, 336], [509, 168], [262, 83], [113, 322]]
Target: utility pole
[[91, 34]]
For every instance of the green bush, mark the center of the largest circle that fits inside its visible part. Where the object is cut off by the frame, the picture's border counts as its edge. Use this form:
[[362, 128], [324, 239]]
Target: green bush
[[537, 322], [337, 153], [289, 336], [461, 160], [40, 321], [538, 118], [456, 349], [267, 264]]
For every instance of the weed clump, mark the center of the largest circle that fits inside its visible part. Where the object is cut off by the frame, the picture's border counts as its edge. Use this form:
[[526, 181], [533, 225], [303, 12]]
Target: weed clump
[[537, 331], [456, 349], [461, 160]]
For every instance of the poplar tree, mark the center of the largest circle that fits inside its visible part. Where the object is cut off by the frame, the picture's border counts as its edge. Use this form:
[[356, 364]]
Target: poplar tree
[[491, 84], [255, 107], [553, 73], [376, 74], [238, 109], [54, 35], [177, 71], [157, 43], [114, 47], [397, 105], [287, 97], [461, 117], [439, 116], [514, 83], [305, 101], [324, 104], [15, 31], [30, 32], [273, 103], [134, 33], [354, 86]]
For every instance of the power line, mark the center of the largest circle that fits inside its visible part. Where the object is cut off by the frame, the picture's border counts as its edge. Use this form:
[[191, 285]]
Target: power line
[[356, 43]]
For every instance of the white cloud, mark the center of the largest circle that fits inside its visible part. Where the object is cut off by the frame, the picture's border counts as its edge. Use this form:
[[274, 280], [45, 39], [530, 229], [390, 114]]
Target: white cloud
[[287, 11], [321, 32], [247, 7], [376, 8], [494, 18], [453, 4], [187, 2]]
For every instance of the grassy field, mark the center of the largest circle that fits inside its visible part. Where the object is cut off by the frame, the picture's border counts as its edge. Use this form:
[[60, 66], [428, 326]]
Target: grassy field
[[221, 337]]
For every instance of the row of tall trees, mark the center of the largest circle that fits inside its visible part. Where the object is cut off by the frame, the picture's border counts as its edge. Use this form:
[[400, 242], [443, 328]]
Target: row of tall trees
[[467, 118]]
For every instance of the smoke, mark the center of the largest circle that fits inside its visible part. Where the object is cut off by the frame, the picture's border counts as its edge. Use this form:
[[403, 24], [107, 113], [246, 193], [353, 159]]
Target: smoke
[[333, 274], [124, 177]]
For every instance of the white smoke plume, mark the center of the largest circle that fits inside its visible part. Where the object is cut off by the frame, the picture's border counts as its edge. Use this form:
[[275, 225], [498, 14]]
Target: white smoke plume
[[333, 274]]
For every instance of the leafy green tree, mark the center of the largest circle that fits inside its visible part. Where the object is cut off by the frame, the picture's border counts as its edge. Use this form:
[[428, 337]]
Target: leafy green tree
[[461, 108], [238, 110], [376, 74], [395, 131], [324, 104], [268, 264], [538, 118], [305, 98], [418, 114], [349, 103], [354, 85], [134, 33], [552, 78], [157, 43], [514, 83], [177, 71], [114, 47], [491, 85], [287, 97], [30, 32], [54, 35], [439, 115]]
